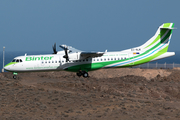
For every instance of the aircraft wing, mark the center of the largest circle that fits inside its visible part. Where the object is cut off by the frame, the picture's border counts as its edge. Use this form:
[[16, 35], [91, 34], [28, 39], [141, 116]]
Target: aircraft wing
[[75, 54], [92, 54], [70, 48]]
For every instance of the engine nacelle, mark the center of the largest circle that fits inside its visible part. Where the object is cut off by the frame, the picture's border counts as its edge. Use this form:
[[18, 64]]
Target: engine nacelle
[[75, 56]]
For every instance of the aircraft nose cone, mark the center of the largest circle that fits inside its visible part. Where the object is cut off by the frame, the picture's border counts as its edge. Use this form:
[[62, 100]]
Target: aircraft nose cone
[[6, 68]]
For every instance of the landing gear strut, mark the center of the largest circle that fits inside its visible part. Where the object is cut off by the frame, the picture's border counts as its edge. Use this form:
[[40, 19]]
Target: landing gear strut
[[82, 73]]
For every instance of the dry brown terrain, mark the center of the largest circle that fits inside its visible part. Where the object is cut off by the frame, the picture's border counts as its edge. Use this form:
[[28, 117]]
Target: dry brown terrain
[[109, 94]]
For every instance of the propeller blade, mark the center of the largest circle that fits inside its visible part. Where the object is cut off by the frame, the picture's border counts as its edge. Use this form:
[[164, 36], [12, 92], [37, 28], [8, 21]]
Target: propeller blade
[[66, 55], [54, 48], [65, 47]]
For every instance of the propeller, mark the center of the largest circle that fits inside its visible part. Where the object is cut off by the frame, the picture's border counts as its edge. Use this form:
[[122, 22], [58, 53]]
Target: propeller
[[66, 52], [54, 48], [66, 55]]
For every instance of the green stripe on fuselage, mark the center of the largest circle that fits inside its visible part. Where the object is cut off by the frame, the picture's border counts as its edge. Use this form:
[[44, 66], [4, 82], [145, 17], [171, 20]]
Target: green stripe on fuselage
[[10, 63], [94, 66], [151, 57]]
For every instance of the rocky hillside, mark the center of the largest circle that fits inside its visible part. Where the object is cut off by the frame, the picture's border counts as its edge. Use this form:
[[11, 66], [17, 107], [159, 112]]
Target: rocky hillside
[[139, 94]]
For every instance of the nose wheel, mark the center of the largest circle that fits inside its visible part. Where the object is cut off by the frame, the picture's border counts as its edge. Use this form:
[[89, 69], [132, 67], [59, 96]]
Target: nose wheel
[[83, 73], [14, 76]]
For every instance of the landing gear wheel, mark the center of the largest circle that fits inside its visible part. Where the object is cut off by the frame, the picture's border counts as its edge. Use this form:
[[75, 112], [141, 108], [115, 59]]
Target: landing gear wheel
[[79, 74], [85, 75], [14, 76], [82, 73]]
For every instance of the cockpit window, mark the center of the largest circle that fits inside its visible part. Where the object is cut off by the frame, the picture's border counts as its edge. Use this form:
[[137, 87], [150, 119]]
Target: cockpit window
[[14, 60], [17, 60]]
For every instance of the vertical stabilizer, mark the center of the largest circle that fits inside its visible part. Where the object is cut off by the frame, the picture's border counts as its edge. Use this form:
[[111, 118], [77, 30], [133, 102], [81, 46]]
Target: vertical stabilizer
[[156, 47], [162, 36]]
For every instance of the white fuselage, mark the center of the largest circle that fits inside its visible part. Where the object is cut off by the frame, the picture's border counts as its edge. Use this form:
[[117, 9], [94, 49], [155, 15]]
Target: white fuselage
[[53, 62]]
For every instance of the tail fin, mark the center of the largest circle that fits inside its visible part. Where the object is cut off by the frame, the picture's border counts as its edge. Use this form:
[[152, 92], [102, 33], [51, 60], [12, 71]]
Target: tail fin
[[156, 47], [162, 36]]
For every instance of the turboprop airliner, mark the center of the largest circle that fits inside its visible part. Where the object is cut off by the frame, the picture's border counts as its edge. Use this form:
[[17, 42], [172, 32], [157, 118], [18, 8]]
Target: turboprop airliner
[[74, 60]]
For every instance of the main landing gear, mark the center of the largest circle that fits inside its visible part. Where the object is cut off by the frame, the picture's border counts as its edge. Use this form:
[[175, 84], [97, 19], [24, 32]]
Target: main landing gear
[[82, 73]]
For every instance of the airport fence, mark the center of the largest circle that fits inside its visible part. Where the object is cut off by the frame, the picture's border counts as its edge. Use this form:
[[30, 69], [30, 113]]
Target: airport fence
[[157, 66]]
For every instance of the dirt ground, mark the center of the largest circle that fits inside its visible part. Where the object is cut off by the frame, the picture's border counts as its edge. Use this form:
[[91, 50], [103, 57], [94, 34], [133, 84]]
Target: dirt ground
[[116, 94]]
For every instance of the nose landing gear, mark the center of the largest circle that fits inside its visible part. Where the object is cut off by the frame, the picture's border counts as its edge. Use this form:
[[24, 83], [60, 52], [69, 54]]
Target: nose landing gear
[[15, 75], [82, 73]]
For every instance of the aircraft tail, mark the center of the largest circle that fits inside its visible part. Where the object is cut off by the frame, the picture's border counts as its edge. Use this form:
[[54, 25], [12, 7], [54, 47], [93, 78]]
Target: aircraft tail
[[161, 37], [156, 47]]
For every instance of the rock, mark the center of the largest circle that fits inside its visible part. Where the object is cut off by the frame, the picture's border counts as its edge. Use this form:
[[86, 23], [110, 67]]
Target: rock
[[160, 113], [3, 94]]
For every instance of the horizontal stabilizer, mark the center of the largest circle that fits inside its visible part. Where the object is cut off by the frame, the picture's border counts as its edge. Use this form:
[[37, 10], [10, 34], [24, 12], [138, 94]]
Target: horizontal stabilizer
[[165, 55], [168, 28]]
